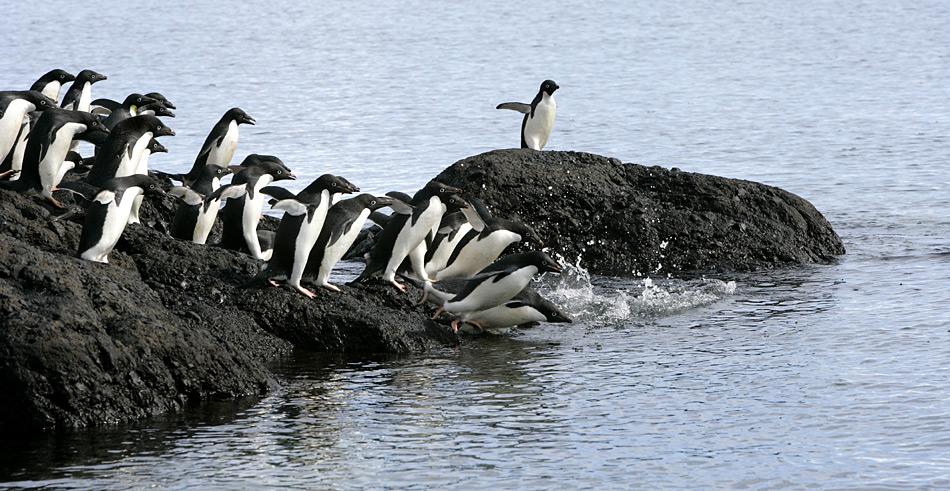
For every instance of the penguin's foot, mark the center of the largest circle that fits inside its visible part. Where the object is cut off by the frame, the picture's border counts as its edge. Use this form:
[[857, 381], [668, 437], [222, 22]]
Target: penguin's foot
[[307, 293], [399, 286], [331, 287], [55, 202], [437, 313], [477, 326], [455, 326], [272, 283], [65, 216], [422, 299]]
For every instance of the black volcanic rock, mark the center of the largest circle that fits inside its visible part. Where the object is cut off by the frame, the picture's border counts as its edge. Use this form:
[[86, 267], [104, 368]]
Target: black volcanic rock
[[628, 219], [166, 324]]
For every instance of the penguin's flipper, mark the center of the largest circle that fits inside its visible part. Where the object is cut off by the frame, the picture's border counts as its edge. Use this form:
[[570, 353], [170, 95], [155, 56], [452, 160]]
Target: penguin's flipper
[[515, 106], [451, 222], [108, 104], [166, 175], [84, 189], [291, 206], [379, 218], [190, 197], [474, 219], [400, 208], [230, 191], [278, 193], [405, 198]]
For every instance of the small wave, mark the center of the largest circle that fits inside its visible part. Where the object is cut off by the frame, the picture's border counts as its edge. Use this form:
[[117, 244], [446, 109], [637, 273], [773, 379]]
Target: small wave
[[611, 300]]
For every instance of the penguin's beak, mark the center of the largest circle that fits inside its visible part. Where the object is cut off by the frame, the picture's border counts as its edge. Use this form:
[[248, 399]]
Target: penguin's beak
[[290, 175], [249, 120]]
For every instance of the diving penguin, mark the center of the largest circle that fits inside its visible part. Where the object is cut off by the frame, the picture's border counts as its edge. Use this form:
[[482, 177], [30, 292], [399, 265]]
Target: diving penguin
[[538, 116]]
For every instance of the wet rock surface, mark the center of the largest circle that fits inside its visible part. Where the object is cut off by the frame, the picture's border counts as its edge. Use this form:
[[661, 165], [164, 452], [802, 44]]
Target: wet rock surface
[[166, 324], [624, 219]]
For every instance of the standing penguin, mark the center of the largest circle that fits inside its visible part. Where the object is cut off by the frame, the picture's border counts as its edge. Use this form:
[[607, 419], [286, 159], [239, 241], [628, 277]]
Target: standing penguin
[[47, 149], [108, 214], [79, 95], [538, 116], [195, 216], [219, 146], [119, 156], [241, 215], [343, 224], [51, 82], [499, 282], [483, 244], [304, 216], [14, 106], [127, 109], [403, 234]]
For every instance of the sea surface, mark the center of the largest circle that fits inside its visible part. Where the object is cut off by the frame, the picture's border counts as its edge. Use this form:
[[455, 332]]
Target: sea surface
[[831, 376]]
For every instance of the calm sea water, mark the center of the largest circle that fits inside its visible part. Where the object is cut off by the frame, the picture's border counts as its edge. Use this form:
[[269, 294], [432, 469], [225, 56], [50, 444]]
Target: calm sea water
[[829, 376]]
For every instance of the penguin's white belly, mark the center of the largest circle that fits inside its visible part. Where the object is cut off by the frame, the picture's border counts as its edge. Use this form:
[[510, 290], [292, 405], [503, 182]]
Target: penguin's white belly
[[442, 254], [306, 237], [130, 163], [478, 254], [412, 235], [113, 225], [221, 155], [85, 98], [504, 316], [337, 250], [52, 163], [10, 124], [63, 169], [538, 128], [252, 216], [51, 90], [205, 222], [490, 293]]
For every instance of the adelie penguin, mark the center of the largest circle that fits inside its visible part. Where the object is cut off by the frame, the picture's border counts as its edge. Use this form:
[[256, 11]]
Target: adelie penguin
[[340, 229], [527, 307], [195, 216], [498, 283], [47, 149], [402, 233], [108, 214], [218, 148], [241, 215], [51, 82], [483, 244], [14, 106], [538, 116], [304, 216], [79, 95], [127, 109], [119, 156]]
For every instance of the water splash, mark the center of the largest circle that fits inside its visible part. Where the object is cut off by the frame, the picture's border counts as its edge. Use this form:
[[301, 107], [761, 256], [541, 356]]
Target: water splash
[[612, 300]]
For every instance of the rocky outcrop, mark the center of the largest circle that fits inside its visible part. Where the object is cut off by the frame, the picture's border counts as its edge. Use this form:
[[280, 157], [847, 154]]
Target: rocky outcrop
[[166, 324], [625, 219]]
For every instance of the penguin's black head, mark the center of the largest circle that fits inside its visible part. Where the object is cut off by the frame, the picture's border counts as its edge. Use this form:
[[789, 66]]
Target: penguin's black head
[[240, 117], [374, 202], [341, 185], [39, 100], [441, 190], [155, 147], [158, 108], [551, 312], [155, 125], [527, 233], [150, 185], [548, 87], [256, 159], [276, 169], [57, 75], [92, 121], [455, 201], [543, 262], [160, 98], [90, 76]]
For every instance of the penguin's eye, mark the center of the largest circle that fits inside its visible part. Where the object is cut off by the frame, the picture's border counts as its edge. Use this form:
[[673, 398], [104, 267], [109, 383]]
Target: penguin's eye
[[442, 190], [371, 203], [151, 186], [280, 172]]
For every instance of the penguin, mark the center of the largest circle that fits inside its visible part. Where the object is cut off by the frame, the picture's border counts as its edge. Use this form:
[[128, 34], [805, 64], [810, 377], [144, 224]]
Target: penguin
[[241, 215], [51, 82], [482, 245], [527, 307], [403, 234], [119, 156], [453, 227], [127, 109], [195, 216], [71, 161], [219, 146], [108, 214], [11, 165], [79, 95], [342, 226], [301, 225], [142, 168], [47, 149], [14, 106], [498, 283], [538, 116]]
